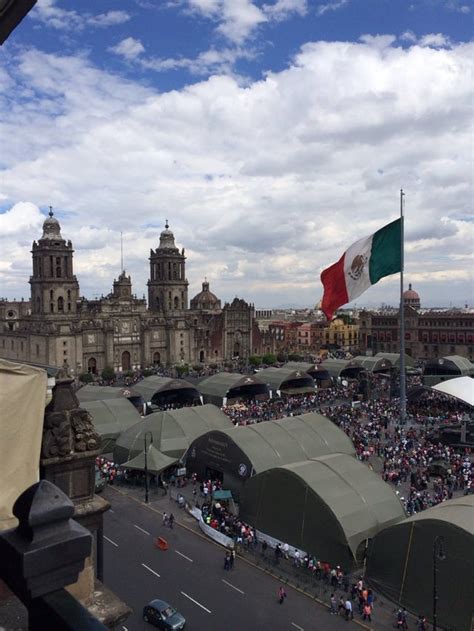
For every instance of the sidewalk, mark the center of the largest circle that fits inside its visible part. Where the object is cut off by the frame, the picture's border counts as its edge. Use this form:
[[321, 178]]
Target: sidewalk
[[384, 612]]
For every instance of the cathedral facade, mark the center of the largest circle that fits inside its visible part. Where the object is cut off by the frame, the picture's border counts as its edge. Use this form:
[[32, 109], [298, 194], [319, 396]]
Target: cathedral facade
[[58, 327]]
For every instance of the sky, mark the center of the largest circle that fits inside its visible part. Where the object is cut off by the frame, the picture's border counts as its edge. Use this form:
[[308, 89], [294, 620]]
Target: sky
[[271, 135]]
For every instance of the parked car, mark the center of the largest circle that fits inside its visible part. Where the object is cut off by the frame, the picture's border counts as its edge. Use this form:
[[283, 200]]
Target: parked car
[[100, 481], [163, 616]]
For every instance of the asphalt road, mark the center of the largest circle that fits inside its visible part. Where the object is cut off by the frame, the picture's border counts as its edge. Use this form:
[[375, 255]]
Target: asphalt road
[[190, 576]]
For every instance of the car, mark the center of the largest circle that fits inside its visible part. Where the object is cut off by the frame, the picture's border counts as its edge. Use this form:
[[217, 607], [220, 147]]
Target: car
[[163, 616]]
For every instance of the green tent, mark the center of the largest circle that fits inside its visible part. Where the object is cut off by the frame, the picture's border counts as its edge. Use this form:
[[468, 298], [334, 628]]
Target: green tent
[[444, 368], [401, 557], [226, 385], [316, 371], [374, 364], [342, 368], [101, 393], [172, 430], [111, 417], [332, 505], [287, 380], [158, 390], [238, 453], [156, 461], [394, 358]]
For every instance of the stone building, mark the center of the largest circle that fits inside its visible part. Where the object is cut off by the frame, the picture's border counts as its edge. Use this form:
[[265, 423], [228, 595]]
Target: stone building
[[428, 333], [59, 327]]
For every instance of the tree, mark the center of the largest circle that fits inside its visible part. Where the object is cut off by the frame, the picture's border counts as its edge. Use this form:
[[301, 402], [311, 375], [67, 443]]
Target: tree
[[182, 369], [255, 360], [294, 357], [108, 374], [86, 377], [269, 359]]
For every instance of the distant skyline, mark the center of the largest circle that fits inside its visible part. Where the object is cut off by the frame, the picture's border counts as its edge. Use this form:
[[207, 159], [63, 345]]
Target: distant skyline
[[270, 134]]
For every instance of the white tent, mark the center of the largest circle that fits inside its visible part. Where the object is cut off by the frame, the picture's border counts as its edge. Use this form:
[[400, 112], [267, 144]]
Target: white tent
[[460, 387]]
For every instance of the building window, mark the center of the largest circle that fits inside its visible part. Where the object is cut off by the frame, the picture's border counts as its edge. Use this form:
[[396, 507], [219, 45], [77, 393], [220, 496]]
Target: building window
[[58, 267], [69, 294], [61, 304], [69, 306], [51, 294], [64, 343], [51, 307], [37, 350]]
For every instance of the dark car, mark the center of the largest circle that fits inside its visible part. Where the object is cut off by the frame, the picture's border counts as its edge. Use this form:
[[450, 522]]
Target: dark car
[[163, 616]]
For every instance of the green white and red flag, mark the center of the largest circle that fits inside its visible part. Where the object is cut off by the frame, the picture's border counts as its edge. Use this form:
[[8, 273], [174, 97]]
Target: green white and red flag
[[362, 265]]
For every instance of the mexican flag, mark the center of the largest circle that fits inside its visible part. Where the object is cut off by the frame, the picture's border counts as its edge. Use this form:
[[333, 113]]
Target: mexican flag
[[362, 265]]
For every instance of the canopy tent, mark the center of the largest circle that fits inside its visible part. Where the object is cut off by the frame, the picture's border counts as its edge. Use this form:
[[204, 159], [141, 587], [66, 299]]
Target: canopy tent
[[349, 368], [444, 368], [101, 393], [316, 371], [400, 562], [394, 358], [333, 504], [284, 379], [172, 430], [225, 385], [374, 364], [111, 417], [163, 390], [221, 495], [461, 388], [238, 453], [156, 460]]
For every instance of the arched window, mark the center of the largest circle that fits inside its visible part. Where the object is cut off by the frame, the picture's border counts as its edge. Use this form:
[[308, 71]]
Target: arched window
[[92, 366], [69, 294], [201, 356], [51, 294], [176, 302], [157, 302], [60, 304], [126, 361], [51, 307], [156, 359], [58, 267]]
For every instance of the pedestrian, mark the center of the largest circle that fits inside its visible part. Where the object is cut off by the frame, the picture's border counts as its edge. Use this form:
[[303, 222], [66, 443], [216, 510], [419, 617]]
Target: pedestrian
[[232, 559], [333, 604], [367, 612], [281, 594], [227, 561], [349, 612], [341, 610], [264, 547], [171, 521], [165, 518], [421, 623]]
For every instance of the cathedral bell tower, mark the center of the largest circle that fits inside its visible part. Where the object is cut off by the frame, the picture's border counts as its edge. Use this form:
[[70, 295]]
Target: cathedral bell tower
[[167, 286], [54, 288]]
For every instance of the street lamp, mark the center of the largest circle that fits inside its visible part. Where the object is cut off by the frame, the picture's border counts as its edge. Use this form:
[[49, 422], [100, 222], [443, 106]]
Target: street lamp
[[146, 462], [438, 555]]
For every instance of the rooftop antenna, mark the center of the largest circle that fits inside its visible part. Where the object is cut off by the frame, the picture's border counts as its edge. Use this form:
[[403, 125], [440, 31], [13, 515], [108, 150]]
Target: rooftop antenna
[[121, 252], [50, 211]]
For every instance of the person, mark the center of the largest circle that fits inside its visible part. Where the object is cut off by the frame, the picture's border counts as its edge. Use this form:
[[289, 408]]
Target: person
[[227, 561], [421, 623], [402, 619], [333, 603], [367, 612], [349, 612], [264, 547], [281, 594], [165, 518], [171, 521], [342, 606], [232, 559]]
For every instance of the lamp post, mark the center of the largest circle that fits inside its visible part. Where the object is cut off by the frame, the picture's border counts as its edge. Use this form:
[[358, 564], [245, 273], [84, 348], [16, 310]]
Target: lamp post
[[146, 462], [438, 555]]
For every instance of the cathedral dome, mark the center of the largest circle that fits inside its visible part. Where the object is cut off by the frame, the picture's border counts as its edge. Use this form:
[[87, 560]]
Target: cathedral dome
[[411, 297], [167, 239], [205, 299], [51, 227]]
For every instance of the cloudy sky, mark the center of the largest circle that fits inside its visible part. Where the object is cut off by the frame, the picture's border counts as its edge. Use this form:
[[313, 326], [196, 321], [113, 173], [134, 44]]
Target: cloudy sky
[[271, 134]]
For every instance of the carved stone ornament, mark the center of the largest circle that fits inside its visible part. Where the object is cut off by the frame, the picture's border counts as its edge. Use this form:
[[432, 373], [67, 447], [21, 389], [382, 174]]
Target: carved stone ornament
[[67, 429]]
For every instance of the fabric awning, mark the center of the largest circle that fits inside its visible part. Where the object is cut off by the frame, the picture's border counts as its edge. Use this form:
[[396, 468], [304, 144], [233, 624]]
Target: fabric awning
[[156, 461], [222, 495]]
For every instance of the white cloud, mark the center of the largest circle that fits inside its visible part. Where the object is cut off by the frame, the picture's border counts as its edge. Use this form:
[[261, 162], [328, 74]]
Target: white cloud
[[264, 183], [335, 5], [283, 9], [46, 12], [130, 48], [437, 40]]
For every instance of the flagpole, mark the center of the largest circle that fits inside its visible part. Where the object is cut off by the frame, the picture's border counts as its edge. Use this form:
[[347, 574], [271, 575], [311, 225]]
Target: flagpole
[[403, 393]]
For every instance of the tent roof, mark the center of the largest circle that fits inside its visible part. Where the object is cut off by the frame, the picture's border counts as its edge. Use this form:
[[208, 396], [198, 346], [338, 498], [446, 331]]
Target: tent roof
[[100, 393], [309, 367], [395, 358], [460, 387], [336, 366], [148, 387], [457, 512], [173, 430], [220, 383], [276, 377], [360, 500], [372, 364], [112, 416], [156, 461], [291, 439], [463, 365]]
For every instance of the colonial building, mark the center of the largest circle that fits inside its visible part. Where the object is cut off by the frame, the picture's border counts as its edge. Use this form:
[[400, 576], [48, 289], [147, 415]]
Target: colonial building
[[58, 327], [428, 333]]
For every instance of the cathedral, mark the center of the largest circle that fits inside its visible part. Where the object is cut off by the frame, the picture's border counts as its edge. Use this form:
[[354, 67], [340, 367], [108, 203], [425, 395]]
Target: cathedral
[[58, 327]]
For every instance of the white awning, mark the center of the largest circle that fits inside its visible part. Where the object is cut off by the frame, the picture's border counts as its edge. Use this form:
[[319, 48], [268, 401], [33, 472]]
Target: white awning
[[460, 387]]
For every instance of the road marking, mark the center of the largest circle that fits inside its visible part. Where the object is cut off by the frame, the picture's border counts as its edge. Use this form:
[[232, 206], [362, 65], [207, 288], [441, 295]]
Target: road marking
[[110, 541], [184, 556], [196, 603], [297, 626], [124, 628], [233, 586], [150, 570], [142, 529]]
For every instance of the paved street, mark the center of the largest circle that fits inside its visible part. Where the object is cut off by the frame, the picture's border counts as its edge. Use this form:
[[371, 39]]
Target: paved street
[[191, 577]]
